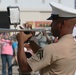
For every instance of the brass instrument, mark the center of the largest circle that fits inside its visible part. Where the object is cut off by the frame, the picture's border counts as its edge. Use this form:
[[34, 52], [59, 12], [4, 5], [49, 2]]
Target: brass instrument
[[19, 30]]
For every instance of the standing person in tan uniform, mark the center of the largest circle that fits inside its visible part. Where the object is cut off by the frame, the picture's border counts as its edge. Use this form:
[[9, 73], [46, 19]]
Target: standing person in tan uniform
[[57, 58]]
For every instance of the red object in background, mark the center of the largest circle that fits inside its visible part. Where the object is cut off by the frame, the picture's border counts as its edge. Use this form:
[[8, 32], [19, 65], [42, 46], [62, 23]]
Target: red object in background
[[42, 23]]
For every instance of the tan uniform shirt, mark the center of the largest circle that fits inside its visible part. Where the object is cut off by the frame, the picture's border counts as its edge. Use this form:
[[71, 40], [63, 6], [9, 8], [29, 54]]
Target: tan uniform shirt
[[57, 58]]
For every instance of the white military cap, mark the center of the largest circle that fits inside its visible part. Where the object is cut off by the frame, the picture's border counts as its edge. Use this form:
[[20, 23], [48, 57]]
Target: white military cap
[[59, 10]]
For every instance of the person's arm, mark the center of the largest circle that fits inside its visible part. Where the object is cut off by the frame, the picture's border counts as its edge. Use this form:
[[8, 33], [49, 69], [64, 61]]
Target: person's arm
[[48, 39], [9, 41], [22, 59]]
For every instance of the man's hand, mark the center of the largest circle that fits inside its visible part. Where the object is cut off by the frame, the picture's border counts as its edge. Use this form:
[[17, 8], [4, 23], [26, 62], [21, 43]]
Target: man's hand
[[22, 37]]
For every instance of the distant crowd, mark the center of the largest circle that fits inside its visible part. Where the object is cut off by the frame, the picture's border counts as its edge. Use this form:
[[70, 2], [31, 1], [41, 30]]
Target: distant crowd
[[9, 46]]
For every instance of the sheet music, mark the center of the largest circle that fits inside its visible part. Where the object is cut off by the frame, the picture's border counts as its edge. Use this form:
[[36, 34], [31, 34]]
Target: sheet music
[[14, 15]]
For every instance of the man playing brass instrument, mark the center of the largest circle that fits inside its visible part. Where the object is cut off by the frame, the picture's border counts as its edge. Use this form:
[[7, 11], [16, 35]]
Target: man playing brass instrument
[[57, 58]]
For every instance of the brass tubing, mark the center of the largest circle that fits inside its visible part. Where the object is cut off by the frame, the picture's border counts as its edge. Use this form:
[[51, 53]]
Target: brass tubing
[[16, 30]]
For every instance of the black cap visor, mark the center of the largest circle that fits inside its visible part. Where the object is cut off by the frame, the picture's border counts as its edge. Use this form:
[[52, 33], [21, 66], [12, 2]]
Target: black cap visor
[[53, 16]]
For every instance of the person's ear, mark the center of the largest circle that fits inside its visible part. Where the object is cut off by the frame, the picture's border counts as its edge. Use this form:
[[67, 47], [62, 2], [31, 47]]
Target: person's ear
[[63, 23]]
